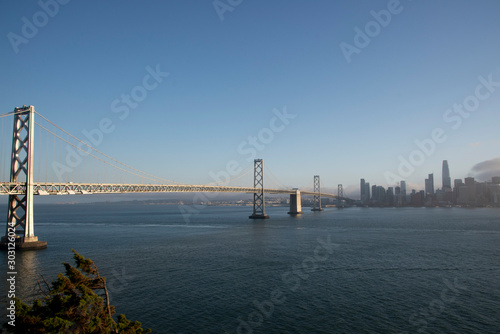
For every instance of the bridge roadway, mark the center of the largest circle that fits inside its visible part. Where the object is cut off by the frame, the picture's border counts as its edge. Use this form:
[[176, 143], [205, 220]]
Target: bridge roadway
[[69, 188]]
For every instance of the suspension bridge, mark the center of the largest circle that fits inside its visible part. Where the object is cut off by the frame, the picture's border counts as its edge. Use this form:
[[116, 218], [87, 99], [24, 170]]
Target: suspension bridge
[[62, 164]]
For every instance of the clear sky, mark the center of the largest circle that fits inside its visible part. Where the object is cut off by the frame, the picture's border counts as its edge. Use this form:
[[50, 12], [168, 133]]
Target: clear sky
[[364, 80]]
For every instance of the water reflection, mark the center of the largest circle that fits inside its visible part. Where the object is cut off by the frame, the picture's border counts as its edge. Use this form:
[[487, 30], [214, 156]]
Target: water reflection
[[28, 271]]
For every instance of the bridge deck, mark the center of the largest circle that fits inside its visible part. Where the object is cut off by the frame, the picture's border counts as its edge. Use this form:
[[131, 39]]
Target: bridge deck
[[55, 188]]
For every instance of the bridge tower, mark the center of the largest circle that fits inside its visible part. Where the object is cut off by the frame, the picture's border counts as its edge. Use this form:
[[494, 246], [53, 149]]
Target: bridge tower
[[20, 222], [340, 196], [259, 205], [317, 197]]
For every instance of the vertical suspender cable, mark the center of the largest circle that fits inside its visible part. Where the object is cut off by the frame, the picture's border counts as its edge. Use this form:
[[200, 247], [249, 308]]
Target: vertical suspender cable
[[77, 179], [38, 155], [53, 158], [3, 143], [60, 158], [46, 159]]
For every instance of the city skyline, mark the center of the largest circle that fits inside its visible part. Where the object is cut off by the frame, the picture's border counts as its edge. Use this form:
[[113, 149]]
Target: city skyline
[[466, 191], [292, 93]]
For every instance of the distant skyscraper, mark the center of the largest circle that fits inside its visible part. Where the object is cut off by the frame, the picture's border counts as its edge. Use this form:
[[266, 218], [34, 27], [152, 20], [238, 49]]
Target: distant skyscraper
[[381, 194], [446, 175], [367, 192], [389, 199], [402, 184], [362, 194], [456, 189], [429, 185]]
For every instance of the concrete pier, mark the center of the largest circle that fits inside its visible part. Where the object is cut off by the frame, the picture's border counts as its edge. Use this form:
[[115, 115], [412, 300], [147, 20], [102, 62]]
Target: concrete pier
[[316, 209], [295, 204], [22, 244], [259, 216]]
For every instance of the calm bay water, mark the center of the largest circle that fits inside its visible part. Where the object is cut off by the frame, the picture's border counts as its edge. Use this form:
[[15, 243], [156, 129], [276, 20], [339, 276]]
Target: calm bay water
[[356, 270]]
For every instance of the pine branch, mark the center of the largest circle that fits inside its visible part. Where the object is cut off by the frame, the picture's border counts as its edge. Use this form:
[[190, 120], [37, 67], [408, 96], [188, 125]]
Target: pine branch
[[46, 292], [104, 286], [40, 288]]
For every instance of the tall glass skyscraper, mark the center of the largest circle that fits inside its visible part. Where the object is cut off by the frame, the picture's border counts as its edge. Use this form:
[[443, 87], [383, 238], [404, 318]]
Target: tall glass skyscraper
[[402, 185], [446, 175], [429, 185]]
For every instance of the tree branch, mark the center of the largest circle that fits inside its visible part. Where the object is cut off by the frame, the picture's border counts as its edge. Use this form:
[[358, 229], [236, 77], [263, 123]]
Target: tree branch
[[108, 308]]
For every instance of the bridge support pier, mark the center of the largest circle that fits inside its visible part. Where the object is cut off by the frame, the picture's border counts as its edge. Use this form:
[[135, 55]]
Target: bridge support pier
[[295, 204], [19, 233], [259, 205]]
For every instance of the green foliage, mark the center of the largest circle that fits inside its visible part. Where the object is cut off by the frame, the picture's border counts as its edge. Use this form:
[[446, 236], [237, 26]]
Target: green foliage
[[73, 305]]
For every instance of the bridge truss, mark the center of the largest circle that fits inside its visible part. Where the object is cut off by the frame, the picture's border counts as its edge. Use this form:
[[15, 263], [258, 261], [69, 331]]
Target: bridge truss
[[50, 188]]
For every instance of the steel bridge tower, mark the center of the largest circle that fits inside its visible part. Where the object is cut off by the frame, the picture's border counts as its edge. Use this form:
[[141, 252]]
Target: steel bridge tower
[[259, 205], [20, 222], [340, 196], [317, 197]]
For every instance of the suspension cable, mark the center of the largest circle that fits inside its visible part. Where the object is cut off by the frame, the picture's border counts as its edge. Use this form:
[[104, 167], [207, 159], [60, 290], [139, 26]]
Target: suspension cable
[[236, 177], [12, 113], [78, 148], [107, 156], [274, 185], [275, 178], [140, 174]]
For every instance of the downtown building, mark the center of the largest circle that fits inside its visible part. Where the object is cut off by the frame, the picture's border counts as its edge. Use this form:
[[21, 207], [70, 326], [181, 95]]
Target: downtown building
[[429, 186], [364, 191]]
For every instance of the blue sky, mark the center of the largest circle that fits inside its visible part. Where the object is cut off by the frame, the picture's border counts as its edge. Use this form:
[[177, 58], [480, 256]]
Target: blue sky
[[353, 119]]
